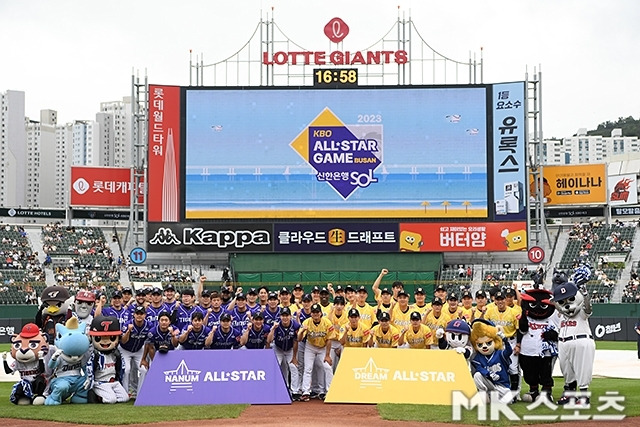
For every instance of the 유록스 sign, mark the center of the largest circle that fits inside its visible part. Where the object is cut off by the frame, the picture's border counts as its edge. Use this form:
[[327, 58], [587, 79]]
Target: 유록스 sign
[[101, 186], [335, 30], [347, 237], [226, 237], [463, 237]]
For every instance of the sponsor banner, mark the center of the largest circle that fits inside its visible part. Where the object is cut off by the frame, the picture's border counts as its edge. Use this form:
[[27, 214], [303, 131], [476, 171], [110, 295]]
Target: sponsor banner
[[573, 185], [103, 214], [390, 375], [164, 153], [213, 377], [575, 212], [613, 328], [509, 148], [463, 237], [625, 211], [8, 327], [623, 189], [318, 237], [33, 213], [102, 186], [225, 237]]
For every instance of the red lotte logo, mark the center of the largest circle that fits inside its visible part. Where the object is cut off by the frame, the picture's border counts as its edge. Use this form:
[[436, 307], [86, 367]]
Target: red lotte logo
[[336, 30]]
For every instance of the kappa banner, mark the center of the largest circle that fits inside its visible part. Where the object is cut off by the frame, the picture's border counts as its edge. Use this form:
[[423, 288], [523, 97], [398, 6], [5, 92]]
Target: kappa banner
[[101, 186], [213, 377], [463, 237], [573, 185], [389, 375]]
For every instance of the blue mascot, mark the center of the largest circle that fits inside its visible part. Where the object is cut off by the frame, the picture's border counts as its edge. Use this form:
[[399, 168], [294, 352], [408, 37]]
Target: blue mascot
[[67, 364]]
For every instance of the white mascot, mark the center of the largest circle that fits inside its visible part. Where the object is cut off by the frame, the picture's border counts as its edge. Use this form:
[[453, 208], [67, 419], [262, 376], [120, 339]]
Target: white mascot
[[576, 347]]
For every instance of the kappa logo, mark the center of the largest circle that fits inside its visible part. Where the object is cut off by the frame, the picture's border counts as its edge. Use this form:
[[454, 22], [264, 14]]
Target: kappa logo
[[164, 236], [370, 375], [181, 378]]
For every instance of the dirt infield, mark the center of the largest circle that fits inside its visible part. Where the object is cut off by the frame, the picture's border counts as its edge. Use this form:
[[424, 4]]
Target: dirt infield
[[309, 414]]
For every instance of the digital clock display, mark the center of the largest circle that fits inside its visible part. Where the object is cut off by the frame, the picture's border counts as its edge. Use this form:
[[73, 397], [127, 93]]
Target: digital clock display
[[335, 77]]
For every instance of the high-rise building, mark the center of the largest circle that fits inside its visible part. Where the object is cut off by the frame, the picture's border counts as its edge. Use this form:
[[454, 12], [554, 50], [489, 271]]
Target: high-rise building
[[13, 149], [64, 142], [583, 148], [40, 167], [121, 133]]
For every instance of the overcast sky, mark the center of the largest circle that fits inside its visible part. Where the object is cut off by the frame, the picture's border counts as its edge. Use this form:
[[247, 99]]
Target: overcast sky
[[70, 55]]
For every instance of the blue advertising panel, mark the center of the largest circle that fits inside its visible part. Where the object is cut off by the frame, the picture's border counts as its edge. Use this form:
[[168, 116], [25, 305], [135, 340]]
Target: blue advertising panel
[[347, 237], [364, 152]]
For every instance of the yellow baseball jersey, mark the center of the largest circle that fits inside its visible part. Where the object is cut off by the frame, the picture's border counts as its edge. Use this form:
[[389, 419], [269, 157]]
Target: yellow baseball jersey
[[434, 323], [401, 319], [326, 309], [508, 319], [339, 323], [355, 337], [478, 313], [450, 316], [367, 314], [517, 309], [422, 338], [293, 307], [422, 310], [387, 339], [384, 309], [467, 314], [318, 334]]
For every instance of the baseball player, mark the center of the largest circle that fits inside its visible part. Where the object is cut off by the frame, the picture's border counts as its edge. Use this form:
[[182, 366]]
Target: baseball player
[[135, 333], [255, 336], [184, 312], [300, 316], [435, 320], [416, 335], [355, 334], [240, 314], [284, 335], [467, 311], [213, 313], [117, 308], [401, 312], [157, 306], [481, 304], [420, 305], [502, 315], [385, 302], [194, 336], [326, 305], [384, 335], [451, 310], [367, 313], [271, 312], [377, 293], [170, 297], [223, 337], [317, 355], [339, 319], [163, 337]]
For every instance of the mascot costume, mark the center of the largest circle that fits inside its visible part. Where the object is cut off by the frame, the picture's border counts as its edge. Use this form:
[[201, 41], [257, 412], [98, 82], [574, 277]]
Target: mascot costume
[[27, 349], [576, 347], [106, 365], [491, 360], [67, 364], [85, 302], [53, 310], [538, 342], [456, 337]]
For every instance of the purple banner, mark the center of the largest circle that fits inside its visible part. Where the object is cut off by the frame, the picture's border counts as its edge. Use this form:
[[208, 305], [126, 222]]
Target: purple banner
[[211, 377], [346, 237]]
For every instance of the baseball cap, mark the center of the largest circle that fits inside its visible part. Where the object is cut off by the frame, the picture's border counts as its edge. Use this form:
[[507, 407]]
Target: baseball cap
[[349, 288], [510, 292], [105, 325], [252, 291], [285, 311], [452, 296], [307, 297], [206, 293], [316, 308], [241, 296], [259, 315], [385, 291], [384, 317], [436, 301], [315, 289], [156, 291], [127, 290], [339, 300], [140, 309], [29, 330], [225, 316], [85, 296], [499, 295], [467, 294], [339, 289], [440, 288], [188, 291], [116, 294], [141, 291], [363, 289], [458, 326], [284, 290], [169, 287], [297, 286], [420, 291], [272, 295], [415, 316], [354, 313], [402, 292], [225, 290], [324, 291], [564, 291], [55, 293], [481, 294]]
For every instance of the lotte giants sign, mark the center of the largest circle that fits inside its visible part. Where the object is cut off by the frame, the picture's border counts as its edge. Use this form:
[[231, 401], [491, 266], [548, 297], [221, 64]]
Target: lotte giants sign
[[101, 186], [335, 30]]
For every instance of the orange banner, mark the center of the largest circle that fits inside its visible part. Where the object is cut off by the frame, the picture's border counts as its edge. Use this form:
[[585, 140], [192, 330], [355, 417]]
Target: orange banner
[[573, 185]]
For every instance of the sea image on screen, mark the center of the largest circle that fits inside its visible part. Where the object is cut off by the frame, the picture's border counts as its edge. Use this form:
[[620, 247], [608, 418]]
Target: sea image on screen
[[344, 153]]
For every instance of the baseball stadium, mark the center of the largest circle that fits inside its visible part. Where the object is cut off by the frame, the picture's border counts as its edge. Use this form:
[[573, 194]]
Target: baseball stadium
[[317, 218]]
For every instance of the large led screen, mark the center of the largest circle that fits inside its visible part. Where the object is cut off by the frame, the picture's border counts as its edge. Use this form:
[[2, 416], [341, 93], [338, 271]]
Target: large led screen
[[300, 153]]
